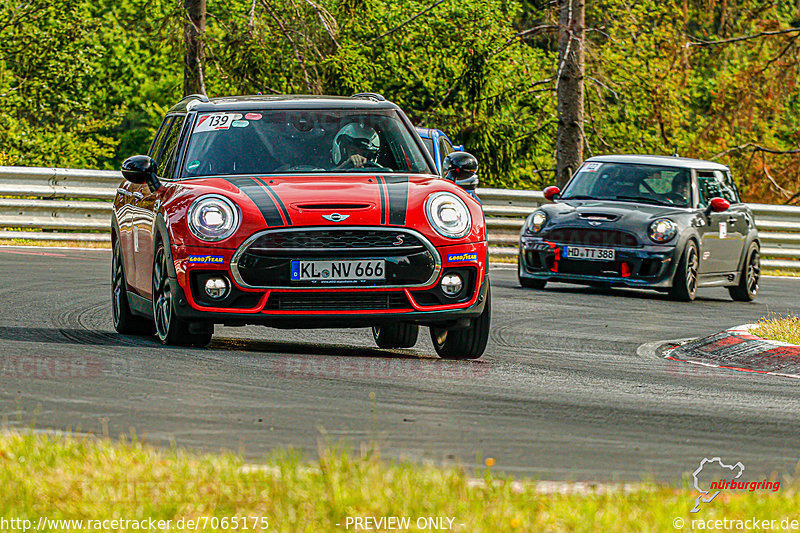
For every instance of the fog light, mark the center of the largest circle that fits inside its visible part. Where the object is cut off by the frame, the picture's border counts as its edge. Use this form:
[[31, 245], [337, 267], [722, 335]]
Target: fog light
[[452, 284], [217, 288]]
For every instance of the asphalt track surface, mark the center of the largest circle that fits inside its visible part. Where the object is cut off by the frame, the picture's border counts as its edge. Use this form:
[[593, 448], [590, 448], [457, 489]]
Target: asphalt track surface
[[560, 393]]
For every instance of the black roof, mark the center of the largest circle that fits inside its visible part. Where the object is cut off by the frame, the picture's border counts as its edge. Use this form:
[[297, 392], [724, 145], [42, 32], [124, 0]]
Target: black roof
[[251, 102]]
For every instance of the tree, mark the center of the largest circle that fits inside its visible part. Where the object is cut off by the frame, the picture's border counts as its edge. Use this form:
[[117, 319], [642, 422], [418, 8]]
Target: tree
[[569, 89], [193, 30]]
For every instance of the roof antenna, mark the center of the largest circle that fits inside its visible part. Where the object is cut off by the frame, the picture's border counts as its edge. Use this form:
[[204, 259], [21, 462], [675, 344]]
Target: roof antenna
[[675, 153]]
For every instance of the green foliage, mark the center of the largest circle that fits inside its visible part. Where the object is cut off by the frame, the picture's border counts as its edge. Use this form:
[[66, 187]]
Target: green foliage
[[654, 89], [78, 80], [84, 83]]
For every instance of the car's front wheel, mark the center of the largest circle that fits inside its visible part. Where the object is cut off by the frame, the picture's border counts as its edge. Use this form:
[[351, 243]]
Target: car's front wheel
[[465, 343], [399, 335], [747, 289], [124, 320], [170, 328], [529, 283], [684, 283]]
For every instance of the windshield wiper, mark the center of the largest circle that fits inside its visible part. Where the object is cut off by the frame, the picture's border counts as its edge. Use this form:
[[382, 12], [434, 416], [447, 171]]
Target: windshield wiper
[[643, 199], [578, 197]]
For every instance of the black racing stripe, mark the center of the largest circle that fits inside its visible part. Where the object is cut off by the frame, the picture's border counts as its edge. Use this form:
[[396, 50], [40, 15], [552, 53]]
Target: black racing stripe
[[398, 199], [383, 200], [256, 192], [280, 203]]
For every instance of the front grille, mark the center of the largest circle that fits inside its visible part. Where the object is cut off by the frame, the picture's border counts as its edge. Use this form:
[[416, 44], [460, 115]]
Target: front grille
[[336, 239], [266, 260], [592, 237], [339, 301], [591, 268]]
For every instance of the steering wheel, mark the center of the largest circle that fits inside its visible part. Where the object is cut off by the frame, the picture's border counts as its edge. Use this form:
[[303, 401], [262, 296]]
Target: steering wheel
[[305, 168], [675, 198], [367, 164]]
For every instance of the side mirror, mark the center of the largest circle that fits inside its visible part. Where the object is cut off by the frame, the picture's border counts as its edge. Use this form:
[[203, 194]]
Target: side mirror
[[140, 169], [718, 205], [462, 169], [551, 193]]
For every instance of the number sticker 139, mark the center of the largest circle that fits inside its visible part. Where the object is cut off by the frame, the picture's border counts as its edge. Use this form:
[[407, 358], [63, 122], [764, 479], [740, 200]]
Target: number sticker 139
[[213, 122]]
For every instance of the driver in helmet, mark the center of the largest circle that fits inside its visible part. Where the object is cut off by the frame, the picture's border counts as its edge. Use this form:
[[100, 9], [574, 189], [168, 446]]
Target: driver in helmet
[[681, 191], [355, 146]]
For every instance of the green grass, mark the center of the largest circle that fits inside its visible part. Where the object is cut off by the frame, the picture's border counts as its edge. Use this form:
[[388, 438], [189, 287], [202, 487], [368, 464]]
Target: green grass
[[779, 328], [780, 272], [67, 244], [86, 478]]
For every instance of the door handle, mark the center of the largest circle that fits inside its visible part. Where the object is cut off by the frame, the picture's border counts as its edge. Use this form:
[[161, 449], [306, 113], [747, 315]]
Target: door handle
[[138, 195], [123, 192]]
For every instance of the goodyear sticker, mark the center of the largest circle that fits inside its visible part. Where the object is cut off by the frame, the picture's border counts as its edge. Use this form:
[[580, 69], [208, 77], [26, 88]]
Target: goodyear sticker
[[207, 259], [592, 167], [459, 258]]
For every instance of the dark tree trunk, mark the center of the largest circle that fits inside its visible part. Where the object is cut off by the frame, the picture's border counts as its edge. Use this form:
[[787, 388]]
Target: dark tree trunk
[[569, 141], [195, 26]]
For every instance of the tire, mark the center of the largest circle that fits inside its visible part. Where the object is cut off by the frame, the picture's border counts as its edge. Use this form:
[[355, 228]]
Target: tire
[[529, 283], [684, 282], [125, 321], [399, 335], [747, 289], [170, 328], [465, 343]]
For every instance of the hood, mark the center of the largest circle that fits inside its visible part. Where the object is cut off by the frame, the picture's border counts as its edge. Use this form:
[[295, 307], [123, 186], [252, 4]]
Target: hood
[[607, 213]]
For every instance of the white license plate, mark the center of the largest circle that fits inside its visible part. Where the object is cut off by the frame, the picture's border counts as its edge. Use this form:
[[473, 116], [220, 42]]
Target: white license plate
[[593, 254], [358, 270]]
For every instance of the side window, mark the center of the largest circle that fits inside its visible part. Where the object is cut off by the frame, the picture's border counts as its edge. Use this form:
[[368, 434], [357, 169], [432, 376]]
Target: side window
[[158, 142], [171, 153], [445, 148], [707, 186], [730, 186], [712, 184]]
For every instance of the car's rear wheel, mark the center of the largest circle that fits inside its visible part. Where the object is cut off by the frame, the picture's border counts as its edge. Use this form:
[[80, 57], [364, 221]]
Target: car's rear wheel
[[464, 343], [684, 283], [747, 289], [170, 328], [529, 283], [124, 320], [399, 335]]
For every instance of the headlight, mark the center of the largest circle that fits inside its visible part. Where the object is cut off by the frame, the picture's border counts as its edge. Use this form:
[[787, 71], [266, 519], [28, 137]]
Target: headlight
[[536, 222], [448, 215], [663, 230], [213, 218]]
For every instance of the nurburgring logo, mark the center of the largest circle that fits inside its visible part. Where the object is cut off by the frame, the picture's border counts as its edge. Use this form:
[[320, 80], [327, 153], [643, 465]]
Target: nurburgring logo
[[727, 479]]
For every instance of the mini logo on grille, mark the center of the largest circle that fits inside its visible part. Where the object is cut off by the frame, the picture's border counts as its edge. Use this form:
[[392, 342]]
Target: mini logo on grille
[[335, 217], [594, 223], [398, 240]]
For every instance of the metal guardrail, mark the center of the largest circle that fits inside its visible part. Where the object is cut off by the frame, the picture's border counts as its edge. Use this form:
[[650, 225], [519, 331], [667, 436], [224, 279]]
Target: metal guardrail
[[63, 204]]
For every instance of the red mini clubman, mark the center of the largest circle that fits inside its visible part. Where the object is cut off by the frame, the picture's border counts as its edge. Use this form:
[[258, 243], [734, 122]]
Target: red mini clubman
[[299, 212]]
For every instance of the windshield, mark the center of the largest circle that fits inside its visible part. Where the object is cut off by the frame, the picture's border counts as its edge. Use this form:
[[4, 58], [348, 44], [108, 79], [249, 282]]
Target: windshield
[[631, 183], [285, 141]]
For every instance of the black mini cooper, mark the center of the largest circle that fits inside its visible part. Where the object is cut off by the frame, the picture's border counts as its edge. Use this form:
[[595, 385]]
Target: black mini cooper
[[665, 223]]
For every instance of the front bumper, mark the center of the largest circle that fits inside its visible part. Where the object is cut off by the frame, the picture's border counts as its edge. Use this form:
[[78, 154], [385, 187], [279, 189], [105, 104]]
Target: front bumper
[[306, 307], [651, 266]]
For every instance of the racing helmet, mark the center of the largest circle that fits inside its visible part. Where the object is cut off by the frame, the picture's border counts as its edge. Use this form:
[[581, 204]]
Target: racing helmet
[[355, 135], [680, 183]]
